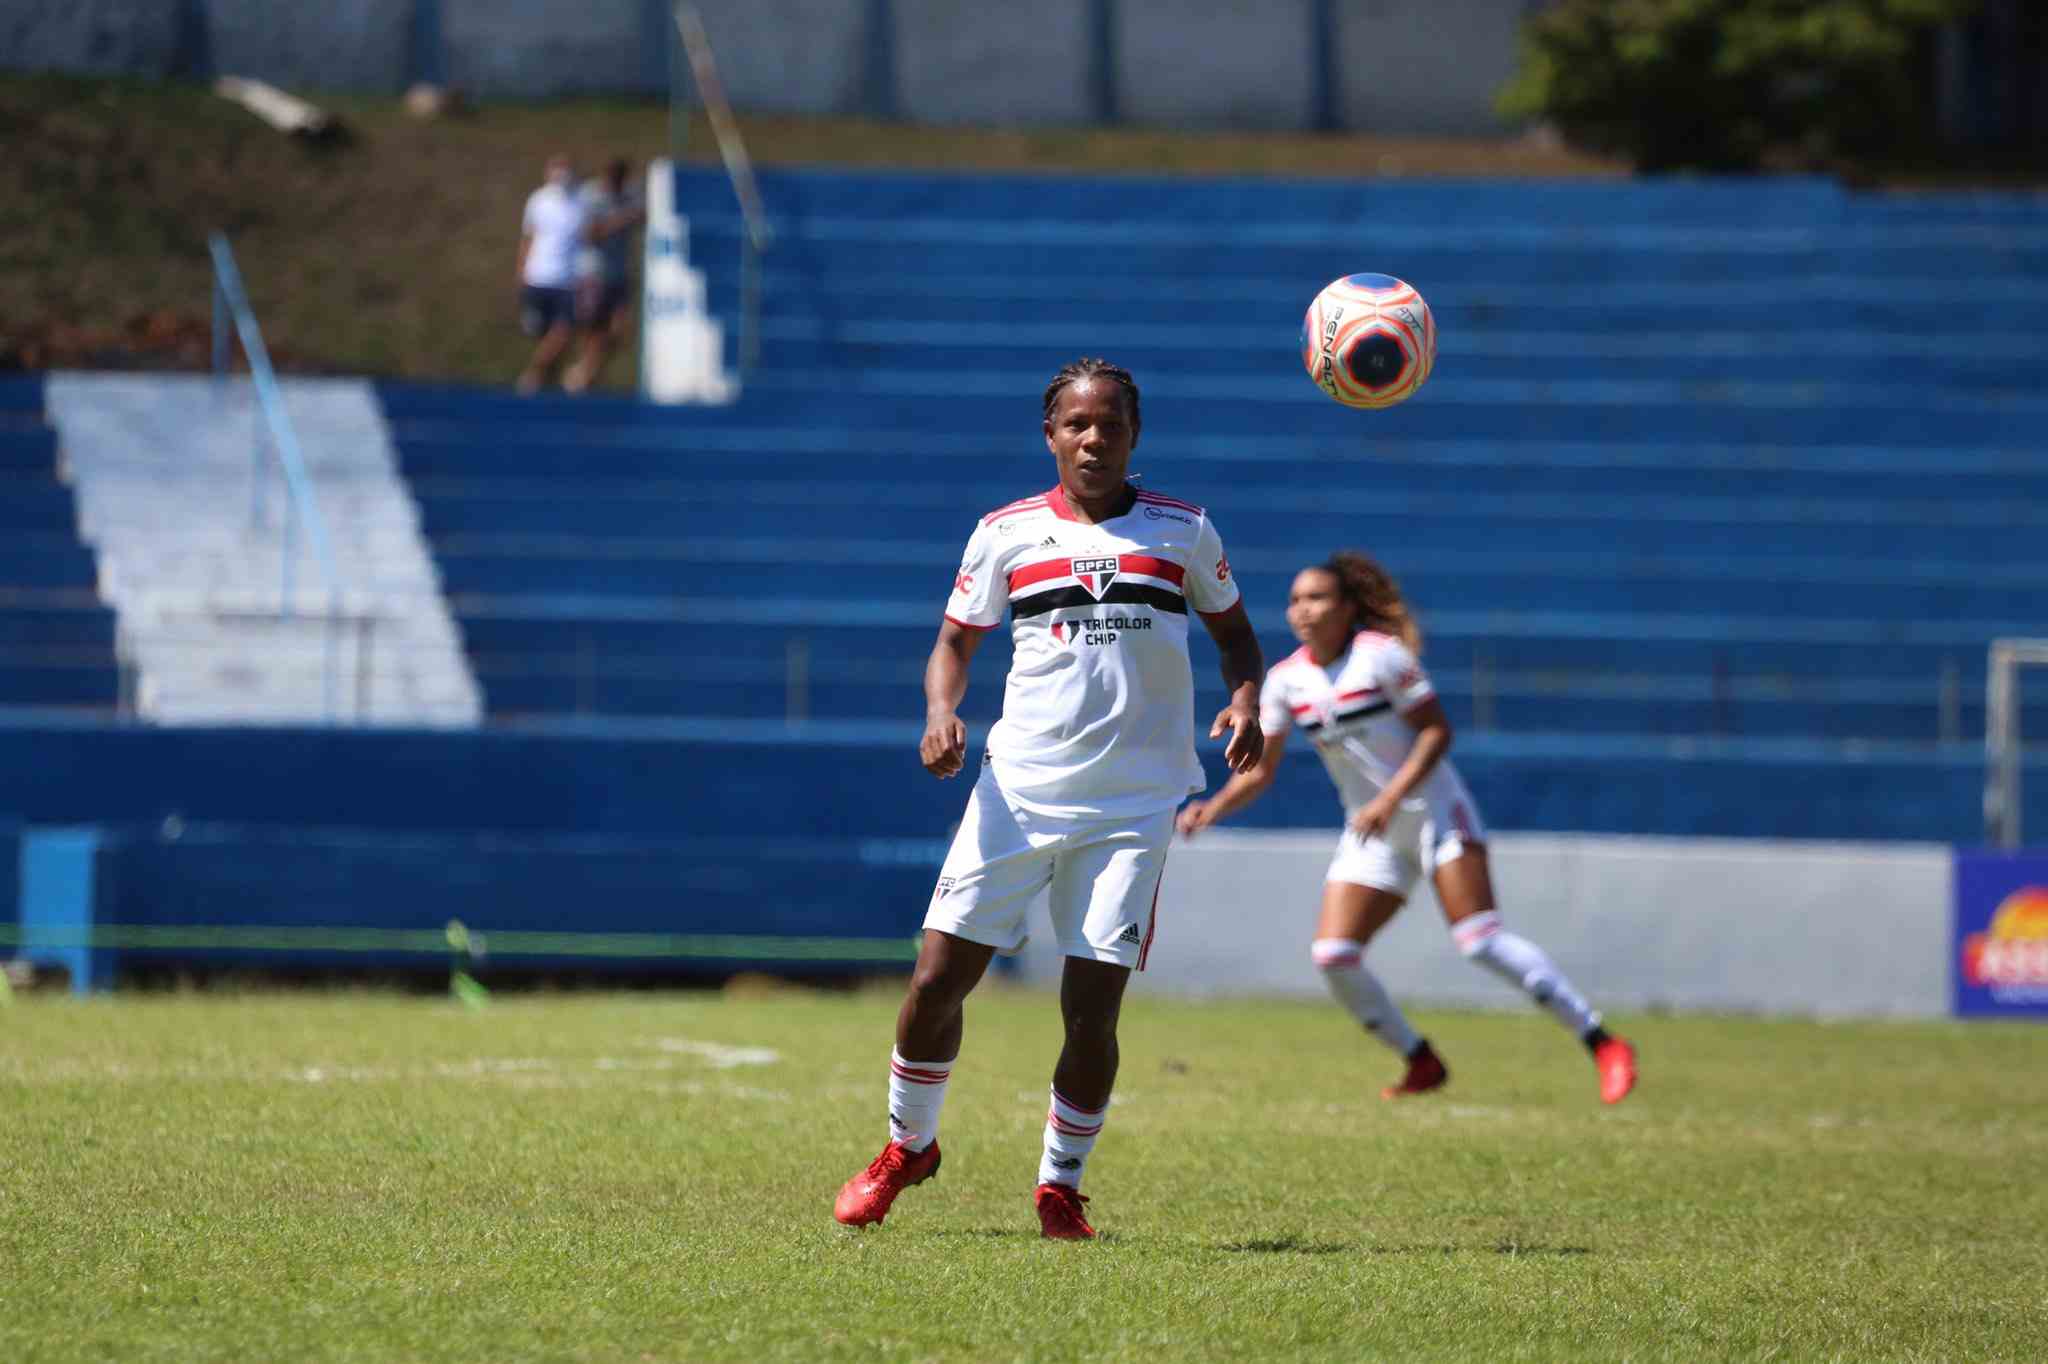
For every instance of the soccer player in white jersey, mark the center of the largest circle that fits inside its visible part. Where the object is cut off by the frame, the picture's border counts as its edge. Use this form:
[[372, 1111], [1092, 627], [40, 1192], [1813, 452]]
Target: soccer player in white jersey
[[1077, 790], [1357, 690]]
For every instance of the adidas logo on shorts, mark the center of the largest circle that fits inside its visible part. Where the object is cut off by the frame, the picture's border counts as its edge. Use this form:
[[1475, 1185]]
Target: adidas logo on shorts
[[1129, 935]]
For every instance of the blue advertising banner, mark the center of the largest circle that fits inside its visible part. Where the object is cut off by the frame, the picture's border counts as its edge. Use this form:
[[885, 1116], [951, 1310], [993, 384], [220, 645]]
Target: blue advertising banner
[[1999, 953]]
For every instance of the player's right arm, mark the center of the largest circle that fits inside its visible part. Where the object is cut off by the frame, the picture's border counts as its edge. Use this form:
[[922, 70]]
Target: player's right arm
[[944, 748], [981, 592]]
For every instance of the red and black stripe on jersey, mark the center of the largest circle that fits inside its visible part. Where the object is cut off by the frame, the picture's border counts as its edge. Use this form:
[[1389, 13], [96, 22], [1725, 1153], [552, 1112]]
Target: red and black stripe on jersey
[[1051, 584], [1350, 705]]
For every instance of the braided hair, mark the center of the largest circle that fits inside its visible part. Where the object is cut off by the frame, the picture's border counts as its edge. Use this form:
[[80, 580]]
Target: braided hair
[[1375, 597], [1089, 368]]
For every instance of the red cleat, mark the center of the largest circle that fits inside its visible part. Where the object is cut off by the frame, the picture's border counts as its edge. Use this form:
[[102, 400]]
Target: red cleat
[[1617, 1062], [866, 1197], [1425, 1072], [1059, 1213]]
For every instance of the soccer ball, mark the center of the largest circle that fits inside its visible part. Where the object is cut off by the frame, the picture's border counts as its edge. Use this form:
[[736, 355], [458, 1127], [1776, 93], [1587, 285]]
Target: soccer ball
[[1368, 340]]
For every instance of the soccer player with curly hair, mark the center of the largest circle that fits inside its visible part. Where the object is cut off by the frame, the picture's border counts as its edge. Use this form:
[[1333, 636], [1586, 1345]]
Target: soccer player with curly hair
[[1356, 688]]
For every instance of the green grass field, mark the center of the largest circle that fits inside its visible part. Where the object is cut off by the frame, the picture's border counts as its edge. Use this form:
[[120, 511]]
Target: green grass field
[[603, 1177]]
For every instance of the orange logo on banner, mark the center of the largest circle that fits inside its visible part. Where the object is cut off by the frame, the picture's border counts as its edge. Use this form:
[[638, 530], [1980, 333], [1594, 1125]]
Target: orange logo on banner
[[2014, 950]]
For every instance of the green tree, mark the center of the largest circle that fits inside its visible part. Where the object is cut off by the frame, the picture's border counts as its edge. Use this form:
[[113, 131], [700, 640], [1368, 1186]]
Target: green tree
[[1719, 84]]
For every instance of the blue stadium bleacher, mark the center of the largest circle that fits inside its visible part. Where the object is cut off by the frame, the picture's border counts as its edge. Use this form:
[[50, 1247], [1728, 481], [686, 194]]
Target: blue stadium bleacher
[[1703, 463], [56, 638]]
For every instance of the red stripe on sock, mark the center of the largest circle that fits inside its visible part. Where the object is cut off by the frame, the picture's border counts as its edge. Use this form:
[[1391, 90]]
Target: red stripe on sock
[[921, 1077], [1064, 1101], [1060, 1124]]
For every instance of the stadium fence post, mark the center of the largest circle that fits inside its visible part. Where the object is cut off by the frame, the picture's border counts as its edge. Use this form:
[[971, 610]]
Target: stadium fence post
[[2002, 742]]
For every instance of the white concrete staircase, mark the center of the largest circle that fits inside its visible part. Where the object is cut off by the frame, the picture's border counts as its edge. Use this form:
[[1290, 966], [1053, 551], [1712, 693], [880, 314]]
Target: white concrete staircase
[[191, 546]]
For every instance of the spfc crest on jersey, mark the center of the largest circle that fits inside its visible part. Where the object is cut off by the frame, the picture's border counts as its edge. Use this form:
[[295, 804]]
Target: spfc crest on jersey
[[1096, 574]]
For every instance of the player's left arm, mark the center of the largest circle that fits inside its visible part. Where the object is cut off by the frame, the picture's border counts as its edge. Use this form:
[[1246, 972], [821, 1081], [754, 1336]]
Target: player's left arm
[[1243, 666], [1432, 740], [1213, 592]]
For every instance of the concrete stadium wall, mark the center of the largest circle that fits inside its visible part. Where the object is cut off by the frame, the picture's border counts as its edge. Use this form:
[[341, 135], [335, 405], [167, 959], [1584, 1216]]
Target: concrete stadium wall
[[354, 45], [971, 63], [1423, 65], [92, 37], [1411, 66], [800, 56], [551, 47], [1216, 64], [1830, 929]]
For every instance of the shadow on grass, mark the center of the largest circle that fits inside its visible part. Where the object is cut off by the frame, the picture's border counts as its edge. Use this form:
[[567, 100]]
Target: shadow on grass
[[1295, 1245], [1019, 1234], [1288, 1245]]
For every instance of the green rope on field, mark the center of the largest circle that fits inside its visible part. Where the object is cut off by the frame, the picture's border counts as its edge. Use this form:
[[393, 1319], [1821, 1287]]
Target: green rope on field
[[464, 988], [428, 942]]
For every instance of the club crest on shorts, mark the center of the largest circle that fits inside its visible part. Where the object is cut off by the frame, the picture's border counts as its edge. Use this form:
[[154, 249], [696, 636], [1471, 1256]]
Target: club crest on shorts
[[1096, 574]]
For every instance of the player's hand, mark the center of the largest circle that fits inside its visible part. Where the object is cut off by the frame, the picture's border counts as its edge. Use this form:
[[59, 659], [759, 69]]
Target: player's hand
[[1247, 740], [1373, 816], [1193, 818], [944, 747]]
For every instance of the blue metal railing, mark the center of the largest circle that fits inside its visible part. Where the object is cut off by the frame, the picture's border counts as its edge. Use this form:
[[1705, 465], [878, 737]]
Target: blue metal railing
[[231, 307], [739, 169]]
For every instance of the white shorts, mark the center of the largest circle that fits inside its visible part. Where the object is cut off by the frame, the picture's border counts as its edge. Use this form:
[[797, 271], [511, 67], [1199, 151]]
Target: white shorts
[[1102, 874], [1422, 836]]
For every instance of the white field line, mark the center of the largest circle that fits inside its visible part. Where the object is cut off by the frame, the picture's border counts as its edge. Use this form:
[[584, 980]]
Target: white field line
[[519, 1072], [718, 1054]]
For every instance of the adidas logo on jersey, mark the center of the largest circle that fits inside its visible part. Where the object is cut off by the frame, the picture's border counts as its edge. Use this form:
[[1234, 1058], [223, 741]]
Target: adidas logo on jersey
[[1049, 542], [1129, 935]]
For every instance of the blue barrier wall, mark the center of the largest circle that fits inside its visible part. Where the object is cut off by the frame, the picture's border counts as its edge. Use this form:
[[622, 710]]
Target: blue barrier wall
[[10, 871], [258, 896]]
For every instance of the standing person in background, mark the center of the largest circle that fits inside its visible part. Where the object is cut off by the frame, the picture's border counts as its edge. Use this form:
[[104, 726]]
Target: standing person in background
[[1356, 688], [550, 234], [604, 272], [1079, 778]]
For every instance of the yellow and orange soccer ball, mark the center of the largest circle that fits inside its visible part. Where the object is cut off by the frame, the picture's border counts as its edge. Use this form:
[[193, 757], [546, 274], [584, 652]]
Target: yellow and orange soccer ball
[[1368, 340]]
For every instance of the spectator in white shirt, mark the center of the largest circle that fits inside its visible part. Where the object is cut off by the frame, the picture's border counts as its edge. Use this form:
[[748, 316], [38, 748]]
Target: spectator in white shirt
[[550, 236]]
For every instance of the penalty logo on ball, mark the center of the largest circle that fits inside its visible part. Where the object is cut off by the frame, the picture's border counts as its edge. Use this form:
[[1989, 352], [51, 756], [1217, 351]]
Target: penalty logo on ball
[[1368, 340]]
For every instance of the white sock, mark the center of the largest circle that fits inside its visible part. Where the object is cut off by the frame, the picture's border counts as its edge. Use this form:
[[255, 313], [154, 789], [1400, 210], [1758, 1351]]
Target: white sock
[[1070, 1132], [1342, 962], [917, 1089], [1524, 965]]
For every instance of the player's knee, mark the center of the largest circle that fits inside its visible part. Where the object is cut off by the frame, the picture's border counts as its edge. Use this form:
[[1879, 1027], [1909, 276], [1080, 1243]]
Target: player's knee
[[1337, 954], [937, 985], [1475, 932]]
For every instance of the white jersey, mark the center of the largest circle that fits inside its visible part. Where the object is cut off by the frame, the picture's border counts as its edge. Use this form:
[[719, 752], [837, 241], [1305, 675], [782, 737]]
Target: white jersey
[[1098, 712], [1351, 711], [555, 218]]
